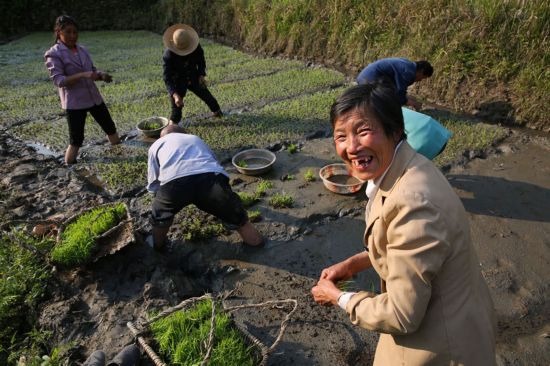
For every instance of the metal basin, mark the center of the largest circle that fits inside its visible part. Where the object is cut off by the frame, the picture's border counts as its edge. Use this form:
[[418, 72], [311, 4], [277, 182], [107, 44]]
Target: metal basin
[[336, 179], [145, 126], [253, 161]]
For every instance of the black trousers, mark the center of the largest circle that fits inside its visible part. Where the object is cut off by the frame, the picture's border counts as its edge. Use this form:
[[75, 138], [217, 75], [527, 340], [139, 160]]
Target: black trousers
[[210, 192], [200, 91], [76, 119]]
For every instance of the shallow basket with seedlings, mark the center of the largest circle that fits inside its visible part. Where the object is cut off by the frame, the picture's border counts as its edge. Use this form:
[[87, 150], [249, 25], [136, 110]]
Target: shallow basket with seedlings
[[92, 234], [201, 331]]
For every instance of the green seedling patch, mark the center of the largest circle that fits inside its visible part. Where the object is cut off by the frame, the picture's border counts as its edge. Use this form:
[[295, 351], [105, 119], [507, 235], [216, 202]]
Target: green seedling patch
[[181, 337], [279, 200], [77, 241]]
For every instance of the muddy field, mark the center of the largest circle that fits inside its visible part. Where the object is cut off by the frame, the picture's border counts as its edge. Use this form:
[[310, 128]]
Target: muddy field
[[506, 195]]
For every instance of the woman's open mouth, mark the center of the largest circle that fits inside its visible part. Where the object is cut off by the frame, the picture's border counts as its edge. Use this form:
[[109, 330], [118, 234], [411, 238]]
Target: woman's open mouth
[[362, 163]]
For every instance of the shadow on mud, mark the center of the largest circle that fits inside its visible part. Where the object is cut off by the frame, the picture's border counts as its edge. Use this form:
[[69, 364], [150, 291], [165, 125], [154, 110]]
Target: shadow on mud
[[504, 199]]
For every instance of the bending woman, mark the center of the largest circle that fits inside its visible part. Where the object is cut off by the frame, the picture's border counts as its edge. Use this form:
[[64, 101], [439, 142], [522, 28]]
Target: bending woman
[[72, 71], [434, 307]]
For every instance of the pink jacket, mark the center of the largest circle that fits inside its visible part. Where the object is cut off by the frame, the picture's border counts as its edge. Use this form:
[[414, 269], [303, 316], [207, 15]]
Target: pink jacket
[[62, 62]]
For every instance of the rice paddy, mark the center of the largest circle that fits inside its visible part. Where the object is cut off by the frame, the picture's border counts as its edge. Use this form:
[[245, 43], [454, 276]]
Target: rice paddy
[[265, 101]]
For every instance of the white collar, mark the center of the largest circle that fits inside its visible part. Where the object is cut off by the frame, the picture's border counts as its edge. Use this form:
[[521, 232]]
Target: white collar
[[373, 184]]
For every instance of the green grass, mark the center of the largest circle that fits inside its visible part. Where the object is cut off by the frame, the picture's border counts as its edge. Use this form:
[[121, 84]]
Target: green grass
[[248, 199], [195, 225], [181, 338], [263, 186], [292, 149], [78, 239], [279, 200], [24, 277], [254, 215], [309, 176]]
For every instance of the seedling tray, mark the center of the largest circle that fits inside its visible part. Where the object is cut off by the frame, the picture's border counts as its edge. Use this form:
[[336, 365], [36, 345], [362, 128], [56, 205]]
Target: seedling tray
[[109, 242], [143, 333]]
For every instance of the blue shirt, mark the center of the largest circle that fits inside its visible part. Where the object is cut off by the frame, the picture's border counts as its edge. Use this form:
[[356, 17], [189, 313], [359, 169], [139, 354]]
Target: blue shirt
[[400, 71], [178, 155]]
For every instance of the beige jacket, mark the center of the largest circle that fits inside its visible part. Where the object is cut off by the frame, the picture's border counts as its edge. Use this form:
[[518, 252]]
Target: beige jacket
[[435, 308]]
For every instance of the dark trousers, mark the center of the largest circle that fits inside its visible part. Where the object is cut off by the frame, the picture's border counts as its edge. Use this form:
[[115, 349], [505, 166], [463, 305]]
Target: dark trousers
[[210, 192], [77, 119], [200, 91]]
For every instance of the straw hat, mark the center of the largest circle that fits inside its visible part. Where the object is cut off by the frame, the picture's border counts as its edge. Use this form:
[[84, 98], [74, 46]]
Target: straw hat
[[181, 39]]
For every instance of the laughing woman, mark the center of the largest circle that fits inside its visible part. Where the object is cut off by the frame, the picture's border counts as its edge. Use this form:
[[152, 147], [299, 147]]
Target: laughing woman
[[72, 71], [434, 307]]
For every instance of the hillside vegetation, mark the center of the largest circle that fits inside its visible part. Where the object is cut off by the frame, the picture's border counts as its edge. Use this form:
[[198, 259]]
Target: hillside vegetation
[[491, 57]]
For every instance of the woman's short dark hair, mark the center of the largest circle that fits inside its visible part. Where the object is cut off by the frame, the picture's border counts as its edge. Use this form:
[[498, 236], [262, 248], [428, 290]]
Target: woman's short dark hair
[[374, 98], [424, 67], [61, 22]]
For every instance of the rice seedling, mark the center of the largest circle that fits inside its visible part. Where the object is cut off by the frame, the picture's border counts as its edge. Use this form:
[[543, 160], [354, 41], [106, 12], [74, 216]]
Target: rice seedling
[[263, 186], [77, 242], [281, 201], [288, 177], [309, 176], [248, 199], [292, 149], [181, 337], [242, 164], [254, 215], [346, 285], [197, 230]]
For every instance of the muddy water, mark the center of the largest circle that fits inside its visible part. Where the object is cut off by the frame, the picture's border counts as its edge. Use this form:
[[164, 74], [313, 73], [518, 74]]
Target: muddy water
[[255, 163], [344, 180]]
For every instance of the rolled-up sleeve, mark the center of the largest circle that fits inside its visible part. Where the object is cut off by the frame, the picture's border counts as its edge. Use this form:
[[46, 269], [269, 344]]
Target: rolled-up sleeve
[[56, 69], [416, 250]]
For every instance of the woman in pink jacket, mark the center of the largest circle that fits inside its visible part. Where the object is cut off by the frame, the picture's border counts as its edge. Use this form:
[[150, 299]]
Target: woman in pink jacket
[[72, 71]]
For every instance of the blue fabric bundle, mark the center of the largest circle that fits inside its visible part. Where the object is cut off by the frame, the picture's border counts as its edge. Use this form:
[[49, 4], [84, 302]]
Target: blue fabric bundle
[[425, 134]]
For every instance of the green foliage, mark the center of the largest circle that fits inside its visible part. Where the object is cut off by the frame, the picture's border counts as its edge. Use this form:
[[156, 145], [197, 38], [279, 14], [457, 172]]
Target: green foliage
[[78, 239], [152, 125], [197, 230], [292, 149], [309, 176], [263, 186], [248, 199], [288, 177], [242, 164], [281, 200], [23, 280], [254, 215], [182, 335], [467, 136]]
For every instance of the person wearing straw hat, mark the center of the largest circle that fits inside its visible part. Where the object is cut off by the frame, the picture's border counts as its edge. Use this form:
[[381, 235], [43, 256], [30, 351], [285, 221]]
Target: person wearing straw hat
[[184, 68]]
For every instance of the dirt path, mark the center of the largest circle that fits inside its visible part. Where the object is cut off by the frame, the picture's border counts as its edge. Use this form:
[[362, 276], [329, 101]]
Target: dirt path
[[507, 196]]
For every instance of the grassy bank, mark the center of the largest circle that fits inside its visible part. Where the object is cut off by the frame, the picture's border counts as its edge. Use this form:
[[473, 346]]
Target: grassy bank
[[491, 57]]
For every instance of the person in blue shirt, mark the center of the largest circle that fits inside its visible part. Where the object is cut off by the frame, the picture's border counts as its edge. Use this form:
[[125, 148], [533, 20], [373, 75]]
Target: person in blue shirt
[[401, 73]]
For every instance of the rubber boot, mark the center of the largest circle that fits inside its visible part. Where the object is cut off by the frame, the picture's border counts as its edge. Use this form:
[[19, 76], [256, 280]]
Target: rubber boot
[[96, 359], [129, 356]]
